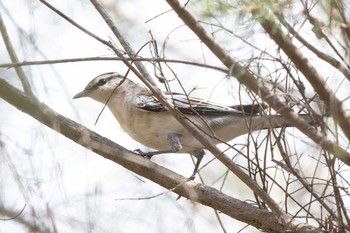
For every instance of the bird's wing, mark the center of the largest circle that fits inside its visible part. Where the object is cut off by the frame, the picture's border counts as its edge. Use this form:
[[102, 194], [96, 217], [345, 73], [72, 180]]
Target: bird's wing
[[149, 103], [192, 105]]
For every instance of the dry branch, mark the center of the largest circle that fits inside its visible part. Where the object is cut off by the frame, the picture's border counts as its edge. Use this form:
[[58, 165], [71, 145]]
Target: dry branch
[[260, 218], [245, 77]]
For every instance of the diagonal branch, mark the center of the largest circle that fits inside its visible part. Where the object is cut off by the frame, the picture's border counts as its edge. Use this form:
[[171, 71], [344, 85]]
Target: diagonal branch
[[146, 78], [325, 57], [14, 58], [211, 197], [246, 78], [305, 67]]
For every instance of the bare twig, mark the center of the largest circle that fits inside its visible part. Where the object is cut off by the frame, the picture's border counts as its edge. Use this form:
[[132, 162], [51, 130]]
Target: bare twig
[[205, 195], [19, 217], [86, 59], [244, 76], [146, 78], [11, 51], [344, 69], [305, 67]]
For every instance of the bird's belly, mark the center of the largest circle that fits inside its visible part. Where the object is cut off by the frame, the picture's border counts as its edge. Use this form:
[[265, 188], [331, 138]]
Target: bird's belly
[[153, 131]]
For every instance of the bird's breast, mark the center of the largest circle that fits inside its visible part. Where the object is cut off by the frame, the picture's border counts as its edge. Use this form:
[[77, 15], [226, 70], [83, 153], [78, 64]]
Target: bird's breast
[[149, 128]]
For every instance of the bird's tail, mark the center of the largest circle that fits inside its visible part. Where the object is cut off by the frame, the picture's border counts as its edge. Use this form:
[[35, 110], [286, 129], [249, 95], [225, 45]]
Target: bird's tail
[[278, 121], [227, 128]]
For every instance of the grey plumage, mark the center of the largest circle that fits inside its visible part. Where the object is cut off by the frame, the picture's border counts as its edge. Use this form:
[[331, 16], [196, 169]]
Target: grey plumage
[[147, 121]]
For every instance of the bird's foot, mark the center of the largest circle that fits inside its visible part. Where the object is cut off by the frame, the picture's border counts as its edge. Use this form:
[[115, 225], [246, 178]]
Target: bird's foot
[[147, 155]]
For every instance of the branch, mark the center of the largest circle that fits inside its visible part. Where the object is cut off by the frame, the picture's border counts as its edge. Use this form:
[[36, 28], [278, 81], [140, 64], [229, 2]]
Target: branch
[[168, 179], [14, 58], [19, 217], [86, 59], [144, 76], [325, 57], [246, 78], [305, 67]]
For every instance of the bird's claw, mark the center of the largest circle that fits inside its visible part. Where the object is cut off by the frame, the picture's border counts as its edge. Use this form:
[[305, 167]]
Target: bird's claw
[[143, 154]]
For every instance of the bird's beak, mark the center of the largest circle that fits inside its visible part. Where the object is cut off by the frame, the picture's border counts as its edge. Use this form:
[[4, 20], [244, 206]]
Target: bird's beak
[[81, 94]]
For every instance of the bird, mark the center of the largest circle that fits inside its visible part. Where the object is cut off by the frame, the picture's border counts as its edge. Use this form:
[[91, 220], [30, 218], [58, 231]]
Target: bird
[[149, 122]]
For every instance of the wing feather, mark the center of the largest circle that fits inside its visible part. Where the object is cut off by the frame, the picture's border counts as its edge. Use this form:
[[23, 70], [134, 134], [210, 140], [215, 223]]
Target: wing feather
[[193, 105]]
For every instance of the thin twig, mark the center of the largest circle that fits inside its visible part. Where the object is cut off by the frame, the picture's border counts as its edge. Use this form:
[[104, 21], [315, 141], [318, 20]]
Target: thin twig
[[87, 59], [344, 69], [304, 66], [11, 51], [168, 179], [246, 78], [145, 77]]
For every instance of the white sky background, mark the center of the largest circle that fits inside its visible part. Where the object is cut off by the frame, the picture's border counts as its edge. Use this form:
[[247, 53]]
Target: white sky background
[[43, 169]]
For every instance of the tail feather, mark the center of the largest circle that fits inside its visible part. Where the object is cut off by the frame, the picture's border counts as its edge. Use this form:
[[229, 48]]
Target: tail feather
[[278, 121]]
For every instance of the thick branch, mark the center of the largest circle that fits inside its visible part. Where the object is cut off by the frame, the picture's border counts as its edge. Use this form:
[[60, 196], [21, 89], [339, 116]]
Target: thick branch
[[324, 56], [197, 133], [303, 64], [146, 78], [205, 195], [248, 79]]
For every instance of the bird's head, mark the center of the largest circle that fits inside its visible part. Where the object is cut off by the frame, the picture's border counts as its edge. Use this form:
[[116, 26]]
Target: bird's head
[[101, 87]]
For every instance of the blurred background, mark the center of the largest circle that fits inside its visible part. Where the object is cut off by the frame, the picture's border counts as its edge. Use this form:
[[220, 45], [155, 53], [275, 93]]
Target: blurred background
[[50, 184]]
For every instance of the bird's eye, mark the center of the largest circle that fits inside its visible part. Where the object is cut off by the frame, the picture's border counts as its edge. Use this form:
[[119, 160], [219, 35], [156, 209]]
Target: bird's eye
[[102, 82]]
